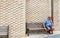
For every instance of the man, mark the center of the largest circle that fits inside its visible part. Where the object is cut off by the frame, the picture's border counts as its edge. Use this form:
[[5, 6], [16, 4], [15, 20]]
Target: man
[[48, 24]]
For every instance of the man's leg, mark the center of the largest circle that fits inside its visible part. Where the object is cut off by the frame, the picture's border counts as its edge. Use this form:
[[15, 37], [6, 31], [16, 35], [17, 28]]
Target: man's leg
[[51, 27], [47, 28]]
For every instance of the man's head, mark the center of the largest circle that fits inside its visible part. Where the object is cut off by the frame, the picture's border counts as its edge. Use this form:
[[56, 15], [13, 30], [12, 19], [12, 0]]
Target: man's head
[[49, 17]]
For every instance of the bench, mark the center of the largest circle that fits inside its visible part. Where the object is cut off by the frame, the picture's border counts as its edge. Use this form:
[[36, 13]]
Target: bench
[[4, 31], [34, 26]]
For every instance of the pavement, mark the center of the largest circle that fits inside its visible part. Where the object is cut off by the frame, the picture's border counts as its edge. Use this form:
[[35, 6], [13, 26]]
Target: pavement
[[56, 34]]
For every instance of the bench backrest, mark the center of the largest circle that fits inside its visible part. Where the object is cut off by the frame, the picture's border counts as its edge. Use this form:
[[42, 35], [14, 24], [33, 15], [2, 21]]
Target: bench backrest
[[34, 25], [3, 28]]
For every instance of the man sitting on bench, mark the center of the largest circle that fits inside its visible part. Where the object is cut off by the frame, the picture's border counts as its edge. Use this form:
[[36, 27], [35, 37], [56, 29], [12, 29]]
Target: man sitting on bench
[[48, 24]]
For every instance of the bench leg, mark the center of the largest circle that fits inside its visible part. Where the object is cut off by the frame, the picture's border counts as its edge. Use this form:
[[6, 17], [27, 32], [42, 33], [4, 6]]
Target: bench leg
[[27, 31]]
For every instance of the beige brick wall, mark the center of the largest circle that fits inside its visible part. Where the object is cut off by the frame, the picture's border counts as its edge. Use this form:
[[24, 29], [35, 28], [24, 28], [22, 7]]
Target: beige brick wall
[[37, 10], [12, 13], [57, 14]]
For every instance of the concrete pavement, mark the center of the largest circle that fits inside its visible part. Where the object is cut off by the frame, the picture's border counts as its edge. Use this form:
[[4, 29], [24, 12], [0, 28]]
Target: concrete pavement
[[44, 35]]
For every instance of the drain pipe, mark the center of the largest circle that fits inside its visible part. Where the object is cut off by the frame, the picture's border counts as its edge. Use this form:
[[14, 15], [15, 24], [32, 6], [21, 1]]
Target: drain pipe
[[52, 9]]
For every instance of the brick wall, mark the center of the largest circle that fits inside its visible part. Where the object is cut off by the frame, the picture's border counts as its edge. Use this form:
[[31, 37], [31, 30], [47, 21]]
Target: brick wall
[[57, 15], [12, 13], [37, 10]]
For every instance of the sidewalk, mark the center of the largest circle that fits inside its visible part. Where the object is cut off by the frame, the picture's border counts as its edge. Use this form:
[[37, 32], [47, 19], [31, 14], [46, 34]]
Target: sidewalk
[[56, 34]]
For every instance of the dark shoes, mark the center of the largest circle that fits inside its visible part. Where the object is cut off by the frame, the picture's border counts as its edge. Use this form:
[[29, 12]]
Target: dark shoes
[[50, 32]]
